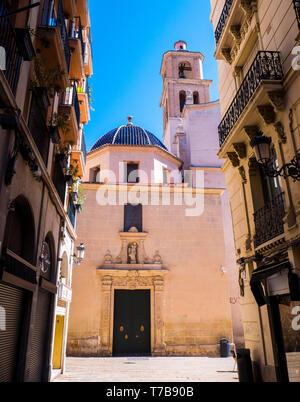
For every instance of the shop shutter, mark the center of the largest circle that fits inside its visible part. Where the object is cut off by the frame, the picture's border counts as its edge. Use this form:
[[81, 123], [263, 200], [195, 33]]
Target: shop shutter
[[12, 302], [40, 339]]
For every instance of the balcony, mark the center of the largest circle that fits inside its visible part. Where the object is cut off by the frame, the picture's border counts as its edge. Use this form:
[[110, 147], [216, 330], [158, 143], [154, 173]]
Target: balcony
[[266, 68], [223, 19], [69, 109], [88, 59], [297, 10], [38, 128], [53, 41], [268, 221], [83, 11], [70, 8], [236, 32], [83, 93], [78, 157], [77, 49], [72, 212], [59, 180], [8, 40]]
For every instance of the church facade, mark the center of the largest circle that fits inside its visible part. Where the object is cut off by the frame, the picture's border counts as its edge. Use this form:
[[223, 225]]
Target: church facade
[[158, 277]]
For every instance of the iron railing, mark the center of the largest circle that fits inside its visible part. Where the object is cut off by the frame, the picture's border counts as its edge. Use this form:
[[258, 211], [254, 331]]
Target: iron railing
[[72, 212], [10, 58], [266, 66], [70, 98], [223, 19], [53, 18], [76, 33], [83, 147], [297, 10], [268, 220], [38, 129]]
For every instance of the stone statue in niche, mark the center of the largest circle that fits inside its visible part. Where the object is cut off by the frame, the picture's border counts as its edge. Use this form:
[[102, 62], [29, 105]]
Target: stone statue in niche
[[132, 253]]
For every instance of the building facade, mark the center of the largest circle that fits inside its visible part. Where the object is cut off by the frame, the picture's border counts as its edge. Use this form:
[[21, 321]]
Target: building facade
[[256, 50], [44, 104], [155, 277]]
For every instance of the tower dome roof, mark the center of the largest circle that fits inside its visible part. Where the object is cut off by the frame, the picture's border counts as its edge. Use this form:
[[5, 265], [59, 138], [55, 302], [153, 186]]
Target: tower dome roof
[[128, 135]]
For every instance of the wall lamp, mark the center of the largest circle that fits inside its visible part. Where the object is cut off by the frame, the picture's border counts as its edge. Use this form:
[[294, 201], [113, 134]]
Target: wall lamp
[[77, 259], [263, 153]]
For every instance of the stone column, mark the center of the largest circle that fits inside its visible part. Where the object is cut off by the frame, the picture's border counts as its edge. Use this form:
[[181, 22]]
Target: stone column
[[105, 318], [159, 345]]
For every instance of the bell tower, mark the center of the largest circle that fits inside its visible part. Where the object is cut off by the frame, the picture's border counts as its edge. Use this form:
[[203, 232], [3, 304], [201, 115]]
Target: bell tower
[[183, 88]]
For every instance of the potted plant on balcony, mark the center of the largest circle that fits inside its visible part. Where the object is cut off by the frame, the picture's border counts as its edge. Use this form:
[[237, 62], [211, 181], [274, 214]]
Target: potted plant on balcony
[[62, 156], [44, 82], [24, 43], [81, 199]]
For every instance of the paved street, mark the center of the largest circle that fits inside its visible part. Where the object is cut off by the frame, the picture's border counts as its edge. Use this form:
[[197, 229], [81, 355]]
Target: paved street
[[149, 369]]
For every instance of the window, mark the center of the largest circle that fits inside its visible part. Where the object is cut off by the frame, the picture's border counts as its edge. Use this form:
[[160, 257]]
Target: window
[[182, 100], [185, 70], [196, 98], [95, 175], [132, 172], [133, 217], [165, 176]]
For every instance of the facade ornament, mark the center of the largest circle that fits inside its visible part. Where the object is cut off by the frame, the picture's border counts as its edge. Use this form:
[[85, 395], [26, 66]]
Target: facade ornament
[[241, 149], [226, 52], [280, 131], [132, 253], [234, 159], [235, 31], [157, 258], [248, 243], [133, 229], [253, 166], [249, 6], [277, 99], [243, 174], [267, 112], [251, 131], [108, 257]]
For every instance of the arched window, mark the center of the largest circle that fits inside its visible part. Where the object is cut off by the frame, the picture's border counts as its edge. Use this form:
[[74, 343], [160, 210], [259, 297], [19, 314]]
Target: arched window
[[196, 98], [19, 234], [185, 70], [182, 100]]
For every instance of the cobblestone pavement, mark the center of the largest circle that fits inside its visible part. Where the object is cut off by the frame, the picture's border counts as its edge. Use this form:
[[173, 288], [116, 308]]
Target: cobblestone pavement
[[149, 369]]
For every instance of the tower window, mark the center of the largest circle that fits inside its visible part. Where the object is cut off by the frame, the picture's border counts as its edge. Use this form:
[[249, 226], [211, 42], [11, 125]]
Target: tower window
[[132, 172], [196, 98], [182, 100], [185, 70], [95, 175]]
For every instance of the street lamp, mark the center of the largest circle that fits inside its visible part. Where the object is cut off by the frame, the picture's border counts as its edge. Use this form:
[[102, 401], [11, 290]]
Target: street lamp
[[77, 259], [262, 149]]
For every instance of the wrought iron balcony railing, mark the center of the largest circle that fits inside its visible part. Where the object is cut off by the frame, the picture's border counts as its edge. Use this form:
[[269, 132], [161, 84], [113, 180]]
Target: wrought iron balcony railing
[[265, 67], [223, 19], [297, 10], [70, 98], [76, 33], [51, 18], [72, 212], [10, 58], [38, 129], [268, 220]]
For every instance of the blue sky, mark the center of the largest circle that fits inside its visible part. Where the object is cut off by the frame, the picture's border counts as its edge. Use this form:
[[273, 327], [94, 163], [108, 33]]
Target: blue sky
[[129, 39]]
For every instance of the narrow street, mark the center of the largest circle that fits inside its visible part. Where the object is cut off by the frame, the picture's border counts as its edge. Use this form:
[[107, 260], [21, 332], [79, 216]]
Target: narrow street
[[149, 369]]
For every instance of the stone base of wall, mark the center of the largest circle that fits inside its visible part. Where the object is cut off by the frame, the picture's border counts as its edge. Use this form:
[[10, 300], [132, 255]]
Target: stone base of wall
[[90, 347], [193, 350]]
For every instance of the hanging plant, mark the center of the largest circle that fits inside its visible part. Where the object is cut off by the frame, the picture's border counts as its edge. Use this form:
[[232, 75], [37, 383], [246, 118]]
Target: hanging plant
[[46, 77], [81, 198]]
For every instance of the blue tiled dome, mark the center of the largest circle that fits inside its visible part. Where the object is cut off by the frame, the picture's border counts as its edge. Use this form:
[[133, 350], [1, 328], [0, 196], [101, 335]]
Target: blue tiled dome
[[128, 135]]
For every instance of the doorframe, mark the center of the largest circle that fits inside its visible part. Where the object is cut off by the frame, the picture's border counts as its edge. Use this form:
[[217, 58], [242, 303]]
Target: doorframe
[[133, 280]]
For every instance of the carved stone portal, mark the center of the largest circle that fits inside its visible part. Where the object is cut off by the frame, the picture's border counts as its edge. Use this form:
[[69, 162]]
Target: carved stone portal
[[132, 270]]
